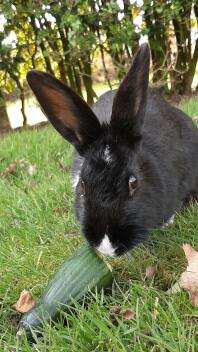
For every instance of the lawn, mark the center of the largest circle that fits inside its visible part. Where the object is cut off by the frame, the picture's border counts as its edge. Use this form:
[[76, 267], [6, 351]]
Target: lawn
[[38, 230]]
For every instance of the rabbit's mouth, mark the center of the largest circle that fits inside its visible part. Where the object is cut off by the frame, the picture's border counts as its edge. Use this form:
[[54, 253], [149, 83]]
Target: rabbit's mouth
[[109, 249]]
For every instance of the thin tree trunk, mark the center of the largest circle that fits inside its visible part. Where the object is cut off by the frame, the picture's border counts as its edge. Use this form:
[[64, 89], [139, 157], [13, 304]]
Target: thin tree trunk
[[78, 81], [42, 46], [54, 46], [46, 59], [188, 77], [4, 119], [66, 56], [87, 79], [21, 95], [34, 55], [182, 27], [157, 34], [103, 60], [22, 98]]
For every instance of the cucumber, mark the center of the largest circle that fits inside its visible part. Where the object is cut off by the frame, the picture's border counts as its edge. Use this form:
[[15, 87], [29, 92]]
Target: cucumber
[[82, 272]]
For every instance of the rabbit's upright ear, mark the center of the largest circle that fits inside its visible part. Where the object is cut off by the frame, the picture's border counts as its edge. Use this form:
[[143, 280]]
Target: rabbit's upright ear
[[130, 101], [67, 112]]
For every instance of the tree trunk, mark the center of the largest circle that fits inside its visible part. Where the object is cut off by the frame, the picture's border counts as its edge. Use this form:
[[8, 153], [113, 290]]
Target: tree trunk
[[67, 59], [78, 81], [21, 95], [87, 79], [4, 120], [188, 77], [22, 98], [34, 55], [46, 59], [103, 59], [158, 42], [96, 28], [54, 46], [182, 27], [42, 46], [116, 53]]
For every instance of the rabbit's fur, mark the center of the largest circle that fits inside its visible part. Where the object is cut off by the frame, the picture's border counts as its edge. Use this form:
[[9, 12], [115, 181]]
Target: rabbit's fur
[[136, 159]]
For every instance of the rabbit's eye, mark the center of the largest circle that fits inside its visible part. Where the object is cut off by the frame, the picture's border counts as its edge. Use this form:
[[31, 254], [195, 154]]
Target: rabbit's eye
[[132, 184], [82, 188]]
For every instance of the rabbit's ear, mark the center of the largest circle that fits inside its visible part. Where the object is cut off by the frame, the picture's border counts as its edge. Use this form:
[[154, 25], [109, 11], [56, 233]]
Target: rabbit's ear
[[130, 101], [67, 112]]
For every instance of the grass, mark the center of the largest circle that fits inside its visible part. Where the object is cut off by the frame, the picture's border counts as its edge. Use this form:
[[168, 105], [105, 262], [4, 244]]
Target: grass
[[38, 230]]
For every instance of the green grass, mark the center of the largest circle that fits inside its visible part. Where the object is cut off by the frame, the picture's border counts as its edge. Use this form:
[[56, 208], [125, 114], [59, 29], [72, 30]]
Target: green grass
[[38, 230]]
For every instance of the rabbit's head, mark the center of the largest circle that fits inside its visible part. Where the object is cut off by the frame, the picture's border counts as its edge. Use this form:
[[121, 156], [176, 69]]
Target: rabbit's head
[[114, 199]]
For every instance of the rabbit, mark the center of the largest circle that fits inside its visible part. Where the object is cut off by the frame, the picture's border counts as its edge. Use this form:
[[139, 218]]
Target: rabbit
[[136, 156]]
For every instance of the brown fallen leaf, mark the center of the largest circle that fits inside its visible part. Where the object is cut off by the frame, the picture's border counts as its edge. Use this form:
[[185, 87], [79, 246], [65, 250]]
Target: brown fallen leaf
[[124, 315], [63, 167], [10, 169], [150, 272], [128, 314], [189, 278], [24, 303], [61, 211], [116, 310]]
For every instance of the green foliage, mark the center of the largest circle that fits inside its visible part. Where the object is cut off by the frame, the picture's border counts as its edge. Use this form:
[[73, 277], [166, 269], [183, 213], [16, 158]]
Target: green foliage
[[63, 38]]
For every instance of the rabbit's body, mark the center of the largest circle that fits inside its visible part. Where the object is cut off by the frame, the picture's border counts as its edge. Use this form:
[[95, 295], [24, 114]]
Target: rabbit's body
[[136, 160]]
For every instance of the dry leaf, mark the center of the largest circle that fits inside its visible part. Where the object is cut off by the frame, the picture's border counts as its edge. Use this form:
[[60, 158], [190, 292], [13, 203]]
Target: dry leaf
[[123, 315], [128, 314], [116, 310], [150, 272], [60, 211], [24, 303], [189, 279], [32, 170], [10, 169], [63, 167]]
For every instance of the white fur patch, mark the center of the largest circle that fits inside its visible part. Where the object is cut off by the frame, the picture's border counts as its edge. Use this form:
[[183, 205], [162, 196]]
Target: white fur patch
[[106, 247], [76, 175], [170, 221], [75, 180], [107, 155]]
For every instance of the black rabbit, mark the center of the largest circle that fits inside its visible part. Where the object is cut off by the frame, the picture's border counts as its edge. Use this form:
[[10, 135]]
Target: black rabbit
[[136, 159]]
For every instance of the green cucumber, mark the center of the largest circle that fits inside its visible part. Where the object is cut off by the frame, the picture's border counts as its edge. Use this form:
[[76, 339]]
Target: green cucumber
[[82, 272]]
